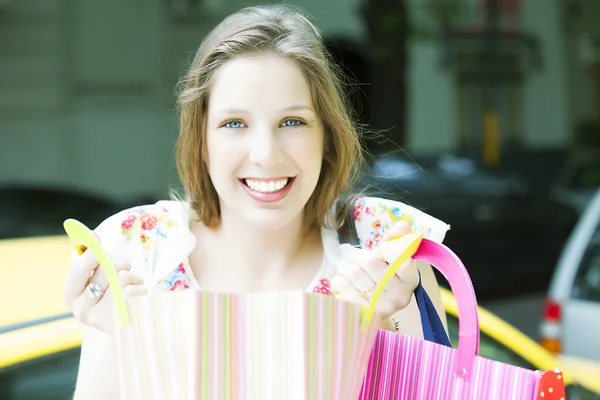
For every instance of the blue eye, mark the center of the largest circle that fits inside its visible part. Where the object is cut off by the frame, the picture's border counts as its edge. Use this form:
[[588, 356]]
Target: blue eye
[[290, 123], [233, 124]]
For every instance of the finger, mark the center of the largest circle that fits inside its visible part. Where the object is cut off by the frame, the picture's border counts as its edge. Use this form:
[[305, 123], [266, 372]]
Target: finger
[[100, 278], [400, 228], [399, 290], [408, 274], [391, 250], [346, 291], [356, 275], [79, 275], [75, 254], [369, 262], [82, 302], [102, 314], [126, 277], [371, 266], [353, 254], [134, 291]]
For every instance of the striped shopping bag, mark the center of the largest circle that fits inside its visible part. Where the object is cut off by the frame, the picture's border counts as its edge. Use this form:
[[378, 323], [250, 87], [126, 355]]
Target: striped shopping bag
[[201, 345], [405, 368]]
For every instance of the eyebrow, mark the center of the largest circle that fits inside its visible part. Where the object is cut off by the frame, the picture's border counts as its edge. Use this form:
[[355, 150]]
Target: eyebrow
[[298, 107]]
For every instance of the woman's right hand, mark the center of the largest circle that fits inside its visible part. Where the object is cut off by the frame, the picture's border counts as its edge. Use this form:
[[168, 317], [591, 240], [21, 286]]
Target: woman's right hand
[[97, 311]]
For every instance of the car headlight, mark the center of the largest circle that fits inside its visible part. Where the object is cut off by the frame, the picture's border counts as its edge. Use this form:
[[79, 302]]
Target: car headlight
[[578, 392]]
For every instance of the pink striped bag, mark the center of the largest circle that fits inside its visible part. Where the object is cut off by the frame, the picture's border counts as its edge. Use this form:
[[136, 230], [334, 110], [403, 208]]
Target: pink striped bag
[[402, 367], [200, 345]]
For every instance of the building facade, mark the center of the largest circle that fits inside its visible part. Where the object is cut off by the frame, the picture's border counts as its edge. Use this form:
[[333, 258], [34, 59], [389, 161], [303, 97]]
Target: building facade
[[87, 87]]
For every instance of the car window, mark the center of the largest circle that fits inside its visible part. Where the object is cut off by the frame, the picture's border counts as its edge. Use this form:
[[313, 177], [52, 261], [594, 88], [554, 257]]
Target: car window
[[587, 281], [489, 347], [586, 176], [49, 378]]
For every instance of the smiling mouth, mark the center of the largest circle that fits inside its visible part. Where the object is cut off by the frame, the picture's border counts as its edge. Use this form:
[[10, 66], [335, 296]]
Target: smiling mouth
[[267, 186]]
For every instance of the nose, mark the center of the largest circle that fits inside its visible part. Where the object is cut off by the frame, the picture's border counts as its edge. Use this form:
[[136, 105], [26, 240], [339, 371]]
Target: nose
[[265, 148]]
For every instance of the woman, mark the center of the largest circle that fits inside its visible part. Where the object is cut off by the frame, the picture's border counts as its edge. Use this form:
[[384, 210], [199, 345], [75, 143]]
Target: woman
[[266, 147]]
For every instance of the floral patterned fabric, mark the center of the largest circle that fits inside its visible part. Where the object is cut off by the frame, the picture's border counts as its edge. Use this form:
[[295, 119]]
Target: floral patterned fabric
[[156, 239], [374, 217]]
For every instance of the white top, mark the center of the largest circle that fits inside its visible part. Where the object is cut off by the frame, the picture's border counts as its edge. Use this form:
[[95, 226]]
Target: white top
[[156, 239]]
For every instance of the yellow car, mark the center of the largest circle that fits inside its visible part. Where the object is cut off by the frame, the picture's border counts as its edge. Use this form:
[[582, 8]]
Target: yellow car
[[503, 342], [39, 339]]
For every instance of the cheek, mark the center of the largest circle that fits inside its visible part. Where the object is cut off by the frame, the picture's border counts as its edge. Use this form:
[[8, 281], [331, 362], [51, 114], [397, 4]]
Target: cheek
[[316, 153], [215, 157], [309, 152], [309, 157]]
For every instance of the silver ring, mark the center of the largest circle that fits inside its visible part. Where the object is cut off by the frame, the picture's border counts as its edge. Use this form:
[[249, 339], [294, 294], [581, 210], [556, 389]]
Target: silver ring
[[94, 290]]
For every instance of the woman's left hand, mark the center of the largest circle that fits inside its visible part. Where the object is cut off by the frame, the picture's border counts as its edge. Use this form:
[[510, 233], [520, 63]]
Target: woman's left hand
[[361, 270]]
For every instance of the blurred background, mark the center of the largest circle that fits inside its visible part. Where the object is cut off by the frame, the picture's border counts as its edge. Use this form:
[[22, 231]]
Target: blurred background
[[483, 113]]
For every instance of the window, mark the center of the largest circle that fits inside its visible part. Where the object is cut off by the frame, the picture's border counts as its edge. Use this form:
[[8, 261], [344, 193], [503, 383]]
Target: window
[[586, 176], [587, 281]]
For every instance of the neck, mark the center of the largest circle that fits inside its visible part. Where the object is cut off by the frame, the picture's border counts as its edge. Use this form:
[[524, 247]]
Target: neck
[[256, 253]]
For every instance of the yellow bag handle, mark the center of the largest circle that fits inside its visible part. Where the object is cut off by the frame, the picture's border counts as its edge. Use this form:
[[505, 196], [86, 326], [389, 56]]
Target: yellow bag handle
[[82, 235], [407, 245]]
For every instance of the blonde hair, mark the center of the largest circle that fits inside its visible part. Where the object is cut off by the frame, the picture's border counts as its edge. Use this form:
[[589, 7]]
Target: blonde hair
[[281, 30]]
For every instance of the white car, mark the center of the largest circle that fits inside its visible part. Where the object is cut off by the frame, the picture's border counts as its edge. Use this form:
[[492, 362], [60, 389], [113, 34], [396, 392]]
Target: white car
[[571, 315], [578, 181]]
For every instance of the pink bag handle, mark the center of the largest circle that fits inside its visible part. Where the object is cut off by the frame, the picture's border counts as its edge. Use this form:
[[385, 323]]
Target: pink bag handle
[[448, 263]]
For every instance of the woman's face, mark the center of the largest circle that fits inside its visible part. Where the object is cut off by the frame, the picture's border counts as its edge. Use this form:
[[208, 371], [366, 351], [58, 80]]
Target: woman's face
[[264, 140]]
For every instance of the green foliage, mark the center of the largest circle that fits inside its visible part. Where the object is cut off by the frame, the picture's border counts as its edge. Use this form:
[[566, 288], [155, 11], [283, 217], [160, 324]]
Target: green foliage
[[414, 20], [428, 17]]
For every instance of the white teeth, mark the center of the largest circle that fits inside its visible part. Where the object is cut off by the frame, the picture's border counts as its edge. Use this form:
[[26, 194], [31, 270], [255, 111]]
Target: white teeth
[[266, 187]]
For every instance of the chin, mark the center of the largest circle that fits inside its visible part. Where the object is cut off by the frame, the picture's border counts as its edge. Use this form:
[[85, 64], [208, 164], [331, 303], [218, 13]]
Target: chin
[[270, 219]]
